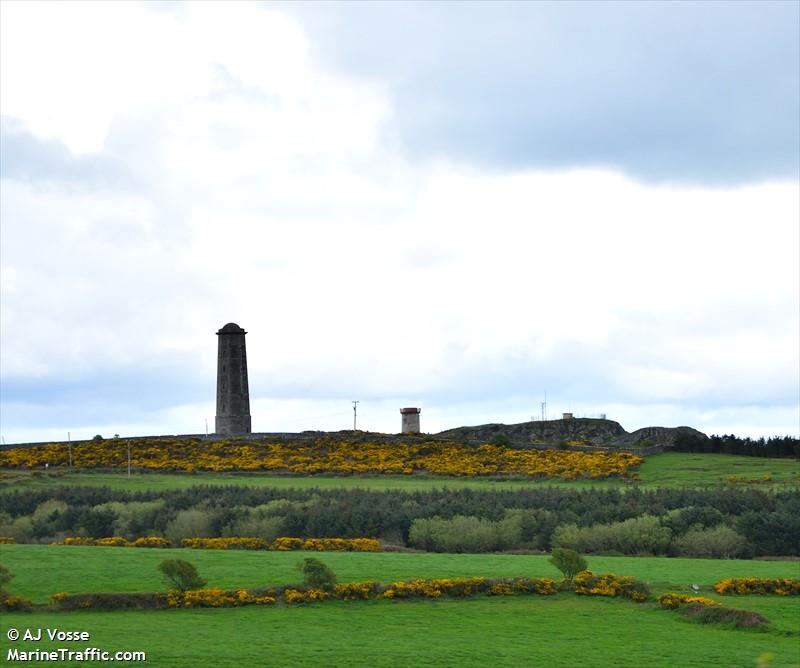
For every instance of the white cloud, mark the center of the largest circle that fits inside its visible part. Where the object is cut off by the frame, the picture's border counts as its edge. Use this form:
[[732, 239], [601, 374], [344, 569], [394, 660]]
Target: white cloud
[[264, 190]]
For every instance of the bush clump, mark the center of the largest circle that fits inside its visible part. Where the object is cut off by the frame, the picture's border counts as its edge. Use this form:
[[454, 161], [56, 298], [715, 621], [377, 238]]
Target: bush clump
[[181, 575], [317, 575], [720, 542], [717, 614], [569, 562], [637, 535], [587, 583]]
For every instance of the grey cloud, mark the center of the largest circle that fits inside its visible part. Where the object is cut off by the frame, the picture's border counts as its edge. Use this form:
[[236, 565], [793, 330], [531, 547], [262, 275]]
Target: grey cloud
[[687, 92]]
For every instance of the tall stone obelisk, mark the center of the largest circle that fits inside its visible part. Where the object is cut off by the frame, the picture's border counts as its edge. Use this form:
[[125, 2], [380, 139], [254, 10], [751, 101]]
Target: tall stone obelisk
[[233, 393]]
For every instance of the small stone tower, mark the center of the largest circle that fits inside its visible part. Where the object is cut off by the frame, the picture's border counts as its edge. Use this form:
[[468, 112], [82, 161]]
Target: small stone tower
[[233, 393], [410, 420]]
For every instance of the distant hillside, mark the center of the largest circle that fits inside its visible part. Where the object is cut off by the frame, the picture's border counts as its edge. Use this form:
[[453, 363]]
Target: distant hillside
[[594, 431]]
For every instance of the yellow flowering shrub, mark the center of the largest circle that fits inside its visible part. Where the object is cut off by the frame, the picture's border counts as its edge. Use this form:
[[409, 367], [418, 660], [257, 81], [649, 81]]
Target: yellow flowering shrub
[[671, 600], [230, 543], [501, 589], [355, 591], [11, 602], [285, 543], [76, 540], [587, 583], [779, 586], [216, 598], [56, 598], [328, 454], [464, 587], [541, 586], [7, 540], [307, 596], [150, 541], [434, 588]]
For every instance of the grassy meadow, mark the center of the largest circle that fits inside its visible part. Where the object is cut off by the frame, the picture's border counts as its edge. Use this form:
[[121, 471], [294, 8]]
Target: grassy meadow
[[564, 630], [42, 570], [670, 469]]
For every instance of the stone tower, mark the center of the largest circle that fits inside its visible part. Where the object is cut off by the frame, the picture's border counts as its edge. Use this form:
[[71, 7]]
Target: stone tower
[[233, 394], [410, 421]]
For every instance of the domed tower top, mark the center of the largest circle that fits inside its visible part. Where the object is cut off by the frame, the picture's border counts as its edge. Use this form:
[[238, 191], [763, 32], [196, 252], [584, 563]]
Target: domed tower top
[[231, 328]]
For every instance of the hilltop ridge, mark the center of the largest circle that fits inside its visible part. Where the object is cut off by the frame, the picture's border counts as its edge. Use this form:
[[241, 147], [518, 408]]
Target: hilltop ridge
[[592, 430]]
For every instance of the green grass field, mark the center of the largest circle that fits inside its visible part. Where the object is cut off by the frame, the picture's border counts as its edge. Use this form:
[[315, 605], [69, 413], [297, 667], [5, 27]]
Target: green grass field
[[669, 469], [42, 570], [565, 630]]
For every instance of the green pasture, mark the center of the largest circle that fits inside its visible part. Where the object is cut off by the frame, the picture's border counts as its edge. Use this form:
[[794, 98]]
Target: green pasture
[[670, 469], [42, 570], [561, 631], [564, 630]]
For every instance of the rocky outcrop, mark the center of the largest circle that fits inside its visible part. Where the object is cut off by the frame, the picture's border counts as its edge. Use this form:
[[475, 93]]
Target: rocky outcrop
[[589, 430], [657, 436]]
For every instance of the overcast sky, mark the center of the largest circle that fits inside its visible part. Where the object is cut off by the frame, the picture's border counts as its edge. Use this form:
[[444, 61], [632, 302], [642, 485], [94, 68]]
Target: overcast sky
[[452, 206]]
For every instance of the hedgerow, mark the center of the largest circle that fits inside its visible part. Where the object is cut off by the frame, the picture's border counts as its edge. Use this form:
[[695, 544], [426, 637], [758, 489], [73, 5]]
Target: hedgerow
[[282, 544]]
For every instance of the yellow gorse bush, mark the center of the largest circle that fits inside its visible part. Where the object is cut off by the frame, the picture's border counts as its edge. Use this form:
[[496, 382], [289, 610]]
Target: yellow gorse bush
[[115, 541], [231, 543], [76, 540], [307, 596], [434, 588], [779, 586], [587, 583], [282, 544], [671, 600], [327, 544], [328, 455], [216, 598], [150, 541], [356, 591]]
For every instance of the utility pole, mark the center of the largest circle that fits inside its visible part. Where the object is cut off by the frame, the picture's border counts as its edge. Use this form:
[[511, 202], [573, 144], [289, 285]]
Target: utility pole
[[69, 448], [355, 413], [129, 458]]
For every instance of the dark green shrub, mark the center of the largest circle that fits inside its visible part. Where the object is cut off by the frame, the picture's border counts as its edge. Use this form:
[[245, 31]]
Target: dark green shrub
[[317, 575], [569, 562], [181, 575], [110, 601], [716, 614], [721, 542], [637, 535], [500, 439], [5, 576], [457, 534]]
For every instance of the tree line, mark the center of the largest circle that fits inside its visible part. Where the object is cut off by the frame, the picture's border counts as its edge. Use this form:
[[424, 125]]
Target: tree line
[[692, 522], [728, 444]]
